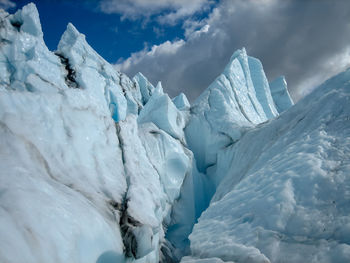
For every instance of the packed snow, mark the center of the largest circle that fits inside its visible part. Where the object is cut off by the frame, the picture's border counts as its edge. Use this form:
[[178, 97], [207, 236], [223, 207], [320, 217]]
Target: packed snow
[[98, 167]]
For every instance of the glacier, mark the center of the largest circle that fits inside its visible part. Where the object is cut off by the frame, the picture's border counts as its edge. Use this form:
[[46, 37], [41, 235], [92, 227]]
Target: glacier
[[99, 167]]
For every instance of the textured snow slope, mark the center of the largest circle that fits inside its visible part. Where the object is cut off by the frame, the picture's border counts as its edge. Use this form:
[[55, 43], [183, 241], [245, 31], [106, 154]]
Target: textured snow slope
[[284, 196]]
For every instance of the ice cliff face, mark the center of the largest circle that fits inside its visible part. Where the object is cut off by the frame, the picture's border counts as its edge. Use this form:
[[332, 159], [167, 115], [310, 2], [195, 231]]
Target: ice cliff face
[[90, 171], [97, 167]]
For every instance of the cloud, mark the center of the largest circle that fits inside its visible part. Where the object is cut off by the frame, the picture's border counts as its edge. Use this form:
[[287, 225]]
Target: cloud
[[307, 41], [165, 11], [324, 71], [166, 49], [7, 4]]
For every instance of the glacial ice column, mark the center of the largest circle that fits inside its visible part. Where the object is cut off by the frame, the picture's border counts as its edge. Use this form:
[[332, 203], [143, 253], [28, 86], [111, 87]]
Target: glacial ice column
[[261, 87], [280, 94], [229, 106]]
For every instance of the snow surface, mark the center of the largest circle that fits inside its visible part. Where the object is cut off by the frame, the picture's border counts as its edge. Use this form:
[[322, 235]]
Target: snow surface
[[97, 167], [285, 198]]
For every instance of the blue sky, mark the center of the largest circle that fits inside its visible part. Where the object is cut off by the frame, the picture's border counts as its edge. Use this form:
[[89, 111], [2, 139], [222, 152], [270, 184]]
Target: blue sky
[[187, 43], [106, 33]]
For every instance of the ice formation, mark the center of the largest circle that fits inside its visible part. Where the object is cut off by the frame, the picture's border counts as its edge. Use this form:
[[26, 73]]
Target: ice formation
[[284, 189], [280, 94], [98, 167]]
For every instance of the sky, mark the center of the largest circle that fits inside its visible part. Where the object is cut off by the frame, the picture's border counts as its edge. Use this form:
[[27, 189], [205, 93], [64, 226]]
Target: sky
[[186, 44]]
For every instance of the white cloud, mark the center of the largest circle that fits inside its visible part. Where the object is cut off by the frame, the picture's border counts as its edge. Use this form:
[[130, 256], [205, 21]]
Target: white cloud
[[304, 40], [334, 65], [165, 11], [7, 4], [165, 49]]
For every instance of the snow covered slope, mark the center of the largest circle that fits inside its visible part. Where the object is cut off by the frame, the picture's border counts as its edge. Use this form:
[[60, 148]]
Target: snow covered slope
[[284, 194]]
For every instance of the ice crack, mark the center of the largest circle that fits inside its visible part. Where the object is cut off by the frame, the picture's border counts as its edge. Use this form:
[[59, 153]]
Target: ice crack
[[71, 74]]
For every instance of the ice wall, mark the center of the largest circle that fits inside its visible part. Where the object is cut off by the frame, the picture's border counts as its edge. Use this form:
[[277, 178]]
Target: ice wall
[[262, 88], [83, 180], [61, 165], [237, 100]]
